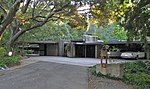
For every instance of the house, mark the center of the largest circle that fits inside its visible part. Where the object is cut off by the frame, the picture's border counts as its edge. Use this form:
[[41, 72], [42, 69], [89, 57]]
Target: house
[[85, 48]]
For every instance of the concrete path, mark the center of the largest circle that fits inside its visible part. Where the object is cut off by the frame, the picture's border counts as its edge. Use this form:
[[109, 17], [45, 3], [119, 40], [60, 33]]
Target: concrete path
[[45, 75]]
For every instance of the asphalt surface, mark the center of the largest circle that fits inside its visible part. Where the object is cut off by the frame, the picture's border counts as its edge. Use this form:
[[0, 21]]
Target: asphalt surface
[[66, 60], [76, 61], [45, 75]]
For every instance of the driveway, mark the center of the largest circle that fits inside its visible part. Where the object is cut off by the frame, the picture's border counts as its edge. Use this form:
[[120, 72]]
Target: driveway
[[76, 61], [66, 60], [45, 75]]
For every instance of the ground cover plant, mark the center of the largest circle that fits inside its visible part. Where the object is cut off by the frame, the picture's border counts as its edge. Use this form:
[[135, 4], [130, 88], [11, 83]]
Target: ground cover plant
[[137, 74]]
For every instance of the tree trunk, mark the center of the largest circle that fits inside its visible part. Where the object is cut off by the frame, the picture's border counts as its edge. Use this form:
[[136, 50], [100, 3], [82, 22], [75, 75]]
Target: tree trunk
[[10, 16]]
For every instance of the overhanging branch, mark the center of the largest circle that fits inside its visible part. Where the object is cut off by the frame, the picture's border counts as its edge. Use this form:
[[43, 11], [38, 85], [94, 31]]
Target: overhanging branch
[[3, 10], [10, 16]]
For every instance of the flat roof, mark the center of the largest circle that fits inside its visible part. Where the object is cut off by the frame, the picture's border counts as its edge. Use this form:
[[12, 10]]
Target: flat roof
[[125, 42], [39, 42]]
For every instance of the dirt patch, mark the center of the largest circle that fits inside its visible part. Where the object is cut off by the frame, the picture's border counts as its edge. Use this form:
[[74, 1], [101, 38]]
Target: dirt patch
[[14, 64]]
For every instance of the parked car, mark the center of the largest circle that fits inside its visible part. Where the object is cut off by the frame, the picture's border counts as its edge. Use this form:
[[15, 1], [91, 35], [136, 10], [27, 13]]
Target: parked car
[[134, 55], [114, 54]]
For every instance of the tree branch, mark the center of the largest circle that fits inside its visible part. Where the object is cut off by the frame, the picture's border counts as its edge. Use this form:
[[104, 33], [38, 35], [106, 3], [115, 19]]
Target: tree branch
[[10, 16], [51, 14], [60, 9], [3, 10], [17, 35], [25, 7]]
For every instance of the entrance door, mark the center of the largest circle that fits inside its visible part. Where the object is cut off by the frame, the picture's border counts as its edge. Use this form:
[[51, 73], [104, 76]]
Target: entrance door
[[80, 50], [42, 48], [90, 51]]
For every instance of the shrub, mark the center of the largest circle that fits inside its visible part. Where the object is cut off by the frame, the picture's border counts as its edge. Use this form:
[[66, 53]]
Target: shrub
[[68, 47], [5, 61], [137, 73], [133, 67], [2, 55], [29, 51], [2, 52]]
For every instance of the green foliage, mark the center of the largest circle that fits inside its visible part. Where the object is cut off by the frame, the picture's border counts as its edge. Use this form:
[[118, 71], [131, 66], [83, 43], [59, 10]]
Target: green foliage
[[53, 31], [117, 8], [146, 9], [133, 15], [111, 32], [137, 21], [29, 51], [5, 38], [138, 74], [141, 80], [93, 70], [133, 68], [6, 61], [2, 52], [68, 47], [135, 73], [119, 32], [114, 49]]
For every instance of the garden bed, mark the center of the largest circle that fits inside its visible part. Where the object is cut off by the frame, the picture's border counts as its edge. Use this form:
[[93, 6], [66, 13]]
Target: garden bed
[[136, 74]]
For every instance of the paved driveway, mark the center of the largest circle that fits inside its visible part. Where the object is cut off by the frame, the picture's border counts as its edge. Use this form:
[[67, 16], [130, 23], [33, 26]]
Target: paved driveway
[[66, 60], [45, 75], [75, 61]]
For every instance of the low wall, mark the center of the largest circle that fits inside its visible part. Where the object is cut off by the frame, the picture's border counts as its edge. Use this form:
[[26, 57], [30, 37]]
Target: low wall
[[114, 70]]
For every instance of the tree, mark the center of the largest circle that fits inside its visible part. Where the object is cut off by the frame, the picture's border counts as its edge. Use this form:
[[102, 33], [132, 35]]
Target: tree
[[111, 32], [133, 15], [37, 15], [54, 31], [25, 15], [30, 14], [137, 20], [7, 17]]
